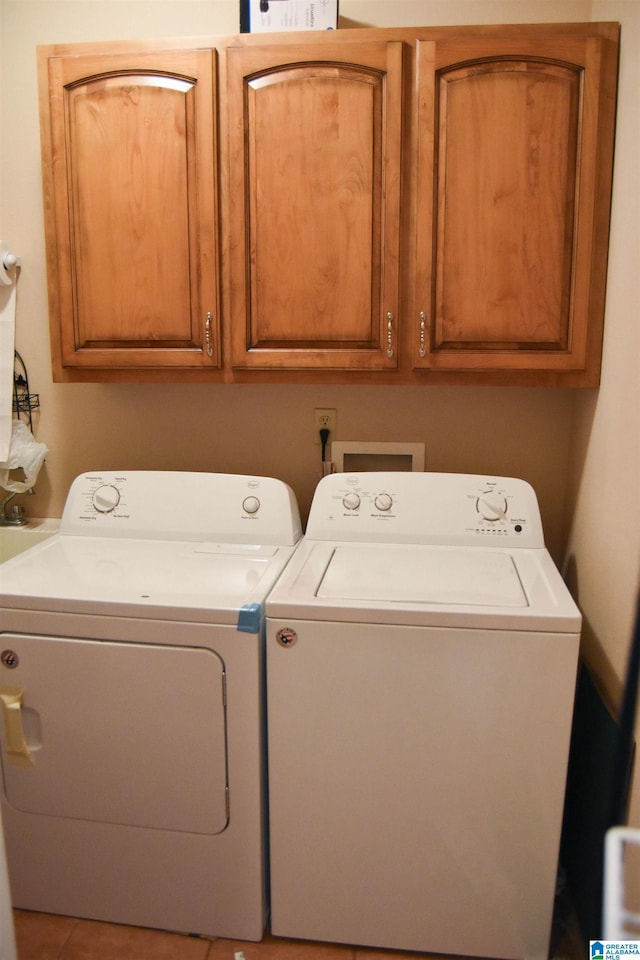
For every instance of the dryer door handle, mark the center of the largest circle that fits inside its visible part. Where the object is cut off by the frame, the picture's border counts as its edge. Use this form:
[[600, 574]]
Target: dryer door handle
[[16, 747]]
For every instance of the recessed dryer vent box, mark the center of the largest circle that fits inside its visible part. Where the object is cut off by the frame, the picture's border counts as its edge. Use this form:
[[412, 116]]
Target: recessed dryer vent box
[[265, 16], [356, 456]]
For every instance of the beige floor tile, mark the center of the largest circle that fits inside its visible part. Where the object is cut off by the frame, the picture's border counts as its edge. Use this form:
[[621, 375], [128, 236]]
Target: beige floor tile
[[94, 940], [369, 954], [274, 948], [41, 936]]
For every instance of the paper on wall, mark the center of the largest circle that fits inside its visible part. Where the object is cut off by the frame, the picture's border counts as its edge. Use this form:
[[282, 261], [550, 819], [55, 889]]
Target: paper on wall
[[7, 346]]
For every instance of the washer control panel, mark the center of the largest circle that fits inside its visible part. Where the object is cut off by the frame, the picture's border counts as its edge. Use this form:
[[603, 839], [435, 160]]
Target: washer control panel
[[172, 505], [425, 508]]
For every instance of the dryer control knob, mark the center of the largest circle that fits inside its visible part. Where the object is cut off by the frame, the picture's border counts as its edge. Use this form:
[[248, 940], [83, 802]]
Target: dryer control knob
[[351, 501], [383, 501], [251, 504], [106, 498], [492, 505]]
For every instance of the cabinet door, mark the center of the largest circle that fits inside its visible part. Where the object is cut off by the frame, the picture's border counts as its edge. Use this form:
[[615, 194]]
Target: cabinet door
[[315, 202], [129, 165], [514, 175]]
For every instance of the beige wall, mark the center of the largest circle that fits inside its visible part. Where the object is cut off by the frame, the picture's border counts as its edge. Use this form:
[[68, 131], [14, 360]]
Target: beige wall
[[579, 449], [604, 545]]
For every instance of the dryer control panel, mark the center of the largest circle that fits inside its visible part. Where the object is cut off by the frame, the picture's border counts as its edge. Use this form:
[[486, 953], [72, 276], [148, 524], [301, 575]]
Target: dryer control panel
[[439, 508], [174, 505]]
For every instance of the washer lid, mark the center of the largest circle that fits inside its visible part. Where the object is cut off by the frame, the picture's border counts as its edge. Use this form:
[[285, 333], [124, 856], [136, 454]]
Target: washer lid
[[415, 574]]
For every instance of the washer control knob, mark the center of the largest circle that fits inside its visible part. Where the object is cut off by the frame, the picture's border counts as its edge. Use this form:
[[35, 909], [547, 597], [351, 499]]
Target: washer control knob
[[251, 504], [492, 505], [383, 501], [106, 498], [351, 501]]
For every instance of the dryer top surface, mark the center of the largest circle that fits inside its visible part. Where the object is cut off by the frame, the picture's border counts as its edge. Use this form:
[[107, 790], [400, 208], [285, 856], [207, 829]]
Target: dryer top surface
[[151, 578], [161, 544]]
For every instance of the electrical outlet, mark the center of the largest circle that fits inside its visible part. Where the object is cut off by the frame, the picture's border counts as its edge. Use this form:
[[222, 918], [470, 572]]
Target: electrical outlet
[[324, 419]]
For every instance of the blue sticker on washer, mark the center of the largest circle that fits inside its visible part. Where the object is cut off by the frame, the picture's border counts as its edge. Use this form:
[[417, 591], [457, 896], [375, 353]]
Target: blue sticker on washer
[[249, 618]]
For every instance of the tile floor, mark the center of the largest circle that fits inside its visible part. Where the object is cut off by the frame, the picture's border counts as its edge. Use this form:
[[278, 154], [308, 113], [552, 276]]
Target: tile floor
[[42, 936]]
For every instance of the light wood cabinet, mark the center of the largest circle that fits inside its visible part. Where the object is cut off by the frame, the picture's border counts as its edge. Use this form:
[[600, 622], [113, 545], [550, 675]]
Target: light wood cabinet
[[514, 167], [315, 147], [129, 170], [406, 206]]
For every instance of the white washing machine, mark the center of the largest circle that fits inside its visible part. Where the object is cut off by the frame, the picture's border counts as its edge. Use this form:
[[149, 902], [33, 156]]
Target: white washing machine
[[421, 661], [131, 686]]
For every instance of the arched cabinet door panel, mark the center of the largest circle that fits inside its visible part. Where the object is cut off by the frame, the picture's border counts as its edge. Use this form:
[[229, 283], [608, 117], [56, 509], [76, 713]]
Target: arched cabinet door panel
[[315, 203], [510, 195], [130, 187]]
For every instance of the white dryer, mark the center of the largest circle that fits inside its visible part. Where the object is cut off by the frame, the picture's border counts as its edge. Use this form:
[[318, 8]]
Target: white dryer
[[132, 694], [421, 661]]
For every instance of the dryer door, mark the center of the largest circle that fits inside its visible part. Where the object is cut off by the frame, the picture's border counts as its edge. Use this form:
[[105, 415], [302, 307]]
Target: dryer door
[[124, 733]]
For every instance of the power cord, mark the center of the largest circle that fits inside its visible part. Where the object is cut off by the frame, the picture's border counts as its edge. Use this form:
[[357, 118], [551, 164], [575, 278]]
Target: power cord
[[324, 437]]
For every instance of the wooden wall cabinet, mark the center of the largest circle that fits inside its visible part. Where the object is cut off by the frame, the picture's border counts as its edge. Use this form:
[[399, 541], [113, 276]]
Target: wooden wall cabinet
[[379, 206]]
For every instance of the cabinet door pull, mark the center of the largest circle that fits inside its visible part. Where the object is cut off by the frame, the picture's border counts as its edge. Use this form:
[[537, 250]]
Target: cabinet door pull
[[207, 334], [423, 327], [389, 335]]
